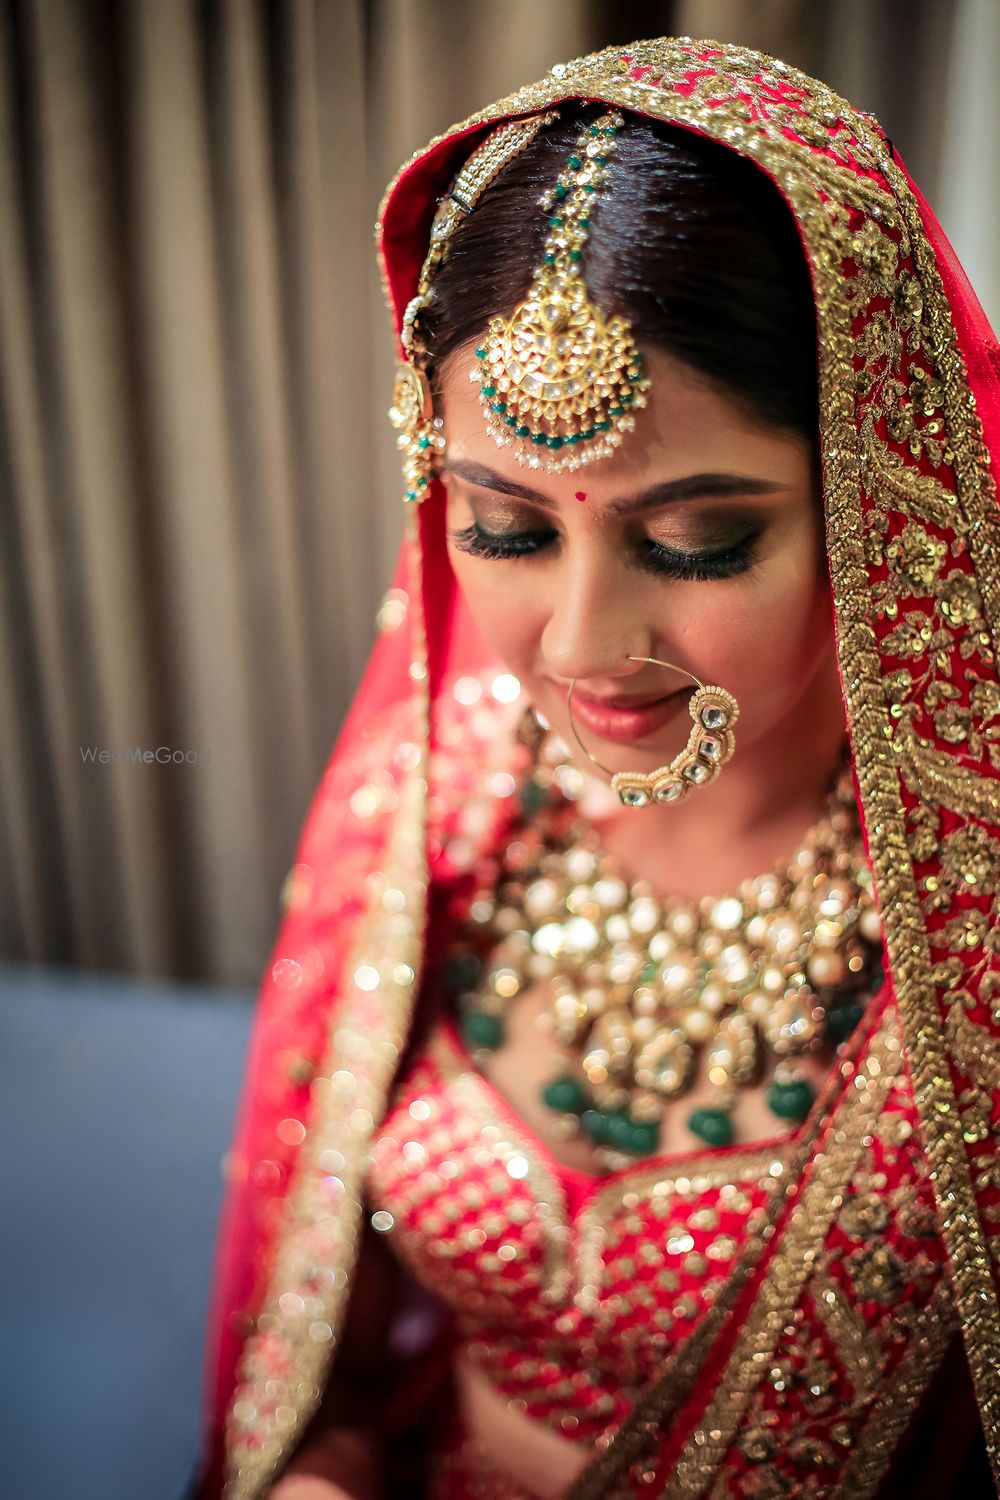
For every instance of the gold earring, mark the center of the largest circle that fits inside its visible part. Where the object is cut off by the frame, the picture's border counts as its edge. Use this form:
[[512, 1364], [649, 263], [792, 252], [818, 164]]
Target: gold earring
[[420, 435], [710, 744]]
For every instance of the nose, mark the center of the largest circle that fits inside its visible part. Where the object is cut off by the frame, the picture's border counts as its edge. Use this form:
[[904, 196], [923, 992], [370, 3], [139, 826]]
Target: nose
[[595, 622]]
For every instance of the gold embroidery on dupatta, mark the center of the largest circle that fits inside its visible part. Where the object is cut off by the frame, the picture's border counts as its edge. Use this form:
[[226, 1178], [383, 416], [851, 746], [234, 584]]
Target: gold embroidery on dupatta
[[286, 1359], [940, 780], [791, 1265], [870, 1327], [881, 1434]]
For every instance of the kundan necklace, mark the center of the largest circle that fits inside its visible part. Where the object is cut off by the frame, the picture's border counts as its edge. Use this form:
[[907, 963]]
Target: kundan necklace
[[638, 988]]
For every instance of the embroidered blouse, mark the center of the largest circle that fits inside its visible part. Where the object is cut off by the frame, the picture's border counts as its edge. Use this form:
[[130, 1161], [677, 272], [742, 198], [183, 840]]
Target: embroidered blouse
[[569, 1292]]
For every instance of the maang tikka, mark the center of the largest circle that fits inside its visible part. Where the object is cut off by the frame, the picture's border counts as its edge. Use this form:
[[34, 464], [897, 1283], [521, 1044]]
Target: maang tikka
[[560, 382], [420, 435]]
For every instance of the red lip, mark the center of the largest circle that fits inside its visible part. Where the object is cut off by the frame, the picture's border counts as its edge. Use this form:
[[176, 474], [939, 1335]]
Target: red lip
[[625, 718]]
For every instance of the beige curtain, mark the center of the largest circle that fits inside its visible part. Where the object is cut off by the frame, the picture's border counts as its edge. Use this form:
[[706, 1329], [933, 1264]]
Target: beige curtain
[[198, 491]]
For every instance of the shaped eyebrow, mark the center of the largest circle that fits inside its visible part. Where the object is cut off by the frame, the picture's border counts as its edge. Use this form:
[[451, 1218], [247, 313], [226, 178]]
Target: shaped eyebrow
[[667, 492]]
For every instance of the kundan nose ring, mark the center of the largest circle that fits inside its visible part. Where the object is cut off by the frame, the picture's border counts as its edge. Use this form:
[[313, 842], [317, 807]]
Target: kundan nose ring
[[709, 745]]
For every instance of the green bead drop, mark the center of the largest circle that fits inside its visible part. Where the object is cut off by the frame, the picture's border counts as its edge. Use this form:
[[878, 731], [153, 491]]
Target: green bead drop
[[791, 1101], [594, 1124], [619, 1130], [842, 1019], [713, 1126], [532, 798], [566, 1095], [482, 1030], [644, 1137]]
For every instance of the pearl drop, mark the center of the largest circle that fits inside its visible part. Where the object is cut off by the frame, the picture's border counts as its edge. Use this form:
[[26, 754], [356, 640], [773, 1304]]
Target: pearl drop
[[727, 914], [825, 968], [756, 929], [698, 1025], [713, 998], [682, 924], [756, 1004], [871, 927]]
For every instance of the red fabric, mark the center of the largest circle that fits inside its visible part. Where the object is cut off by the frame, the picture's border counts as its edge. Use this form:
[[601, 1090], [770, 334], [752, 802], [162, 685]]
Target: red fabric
[[338, 851]]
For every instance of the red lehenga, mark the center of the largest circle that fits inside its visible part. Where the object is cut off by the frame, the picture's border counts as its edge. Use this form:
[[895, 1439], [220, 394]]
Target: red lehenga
[[748, 1322]]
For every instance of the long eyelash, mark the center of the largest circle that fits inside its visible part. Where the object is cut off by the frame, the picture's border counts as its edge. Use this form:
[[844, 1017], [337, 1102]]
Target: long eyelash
[[706, 565], [664, 561], [479, 543]]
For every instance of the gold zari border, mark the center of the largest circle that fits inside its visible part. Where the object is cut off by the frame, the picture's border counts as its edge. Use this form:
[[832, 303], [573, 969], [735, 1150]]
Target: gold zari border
[[285, 1364], [791, 1264], [888, 1422]]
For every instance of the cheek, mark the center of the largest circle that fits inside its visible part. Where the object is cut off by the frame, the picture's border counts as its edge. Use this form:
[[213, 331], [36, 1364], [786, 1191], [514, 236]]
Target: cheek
[[767, 640], [506, 611]]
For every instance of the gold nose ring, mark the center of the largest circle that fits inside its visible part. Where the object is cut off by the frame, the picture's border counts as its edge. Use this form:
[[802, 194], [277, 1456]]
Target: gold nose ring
[[710, 744]]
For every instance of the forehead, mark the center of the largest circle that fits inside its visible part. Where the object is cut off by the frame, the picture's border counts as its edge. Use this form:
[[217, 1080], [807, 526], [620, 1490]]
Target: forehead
[[689, 425]]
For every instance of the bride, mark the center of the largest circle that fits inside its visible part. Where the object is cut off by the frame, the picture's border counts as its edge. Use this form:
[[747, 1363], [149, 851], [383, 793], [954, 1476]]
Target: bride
[[620, 1116]]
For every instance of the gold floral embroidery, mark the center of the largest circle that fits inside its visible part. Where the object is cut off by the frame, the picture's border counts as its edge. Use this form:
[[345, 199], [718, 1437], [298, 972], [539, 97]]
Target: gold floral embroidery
[[916, 558], [791, 1267], [878, 1439], [285, 1359]]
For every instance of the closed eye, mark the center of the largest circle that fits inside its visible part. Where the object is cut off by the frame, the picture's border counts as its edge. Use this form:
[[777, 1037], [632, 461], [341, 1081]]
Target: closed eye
[[481, 543], [668, 562]]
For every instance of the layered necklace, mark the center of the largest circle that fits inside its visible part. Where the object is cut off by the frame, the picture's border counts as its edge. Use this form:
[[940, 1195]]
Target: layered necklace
[[638, 989]]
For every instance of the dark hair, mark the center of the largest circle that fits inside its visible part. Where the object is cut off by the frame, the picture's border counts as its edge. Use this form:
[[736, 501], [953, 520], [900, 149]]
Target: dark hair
[[690, 242]]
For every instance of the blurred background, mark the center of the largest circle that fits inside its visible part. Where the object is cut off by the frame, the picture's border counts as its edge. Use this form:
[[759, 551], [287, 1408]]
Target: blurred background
[[199, 510]]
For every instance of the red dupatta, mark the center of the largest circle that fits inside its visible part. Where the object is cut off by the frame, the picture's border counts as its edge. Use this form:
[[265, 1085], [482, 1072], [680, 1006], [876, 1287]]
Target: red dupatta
[[910, 433]]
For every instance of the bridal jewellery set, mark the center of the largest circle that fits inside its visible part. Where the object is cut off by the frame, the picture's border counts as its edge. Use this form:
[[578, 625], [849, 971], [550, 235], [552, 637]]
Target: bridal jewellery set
[[637, 988]]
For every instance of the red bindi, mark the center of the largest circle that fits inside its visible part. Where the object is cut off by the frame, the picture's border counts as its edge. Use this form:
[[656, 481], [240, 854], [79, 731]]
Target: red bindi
[[581, 495]]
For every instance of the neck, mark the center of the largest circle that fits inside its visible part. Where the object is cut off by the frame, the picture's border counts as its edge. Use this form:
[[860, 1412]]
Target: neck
[[750, 818]]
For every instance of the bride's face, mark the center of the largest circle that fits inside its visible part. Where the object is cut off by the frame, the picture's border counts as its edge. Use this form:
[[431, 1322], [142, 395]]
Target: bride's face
[[698, 541]]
